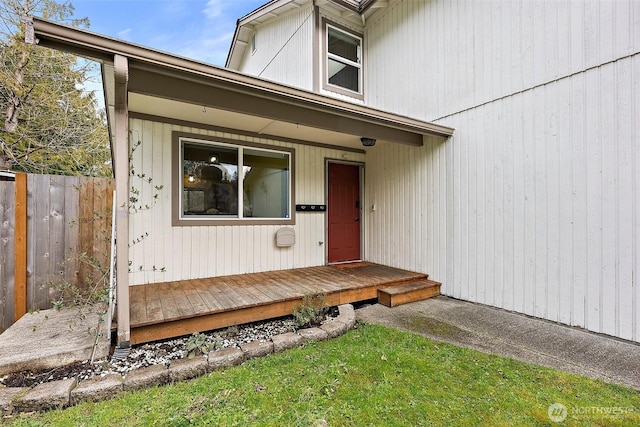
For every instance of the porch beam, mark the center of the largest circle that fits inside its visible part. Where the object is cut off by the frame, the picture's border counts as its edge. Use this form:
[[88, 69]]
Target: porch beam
[[121, 150]]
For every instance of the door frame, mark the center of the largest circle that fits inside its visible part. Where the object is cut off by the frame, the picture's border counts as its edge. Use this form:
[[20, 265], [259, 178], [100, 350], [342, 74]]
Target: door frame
[[361, 165]]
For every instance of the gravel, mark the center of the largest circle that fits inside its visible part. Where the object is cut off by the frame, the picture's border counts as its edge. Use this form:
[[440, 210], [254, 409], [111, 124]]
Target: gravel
[[155, 353]]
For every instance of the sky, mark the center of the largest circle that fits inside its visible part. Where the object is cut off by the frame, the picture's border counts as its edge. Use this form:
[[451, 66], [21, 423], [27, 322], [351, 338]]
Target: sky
[[197, 29]]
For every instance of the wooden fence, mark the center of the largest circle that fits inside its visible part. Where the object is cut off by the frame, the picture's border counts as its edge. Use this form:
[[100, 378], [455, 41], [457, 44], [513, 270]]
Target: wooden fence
[[53, 230]]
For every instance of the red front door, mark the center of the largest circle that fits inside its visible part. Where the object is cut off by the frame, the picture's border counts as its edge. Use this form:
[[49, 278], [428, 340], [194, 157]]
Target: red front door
[[344, 212]]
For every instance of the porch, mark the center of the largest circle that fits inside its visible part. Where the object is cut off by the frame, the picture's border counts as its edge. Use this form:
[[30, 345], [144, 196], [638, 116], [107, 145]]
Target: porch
[[171, 309]]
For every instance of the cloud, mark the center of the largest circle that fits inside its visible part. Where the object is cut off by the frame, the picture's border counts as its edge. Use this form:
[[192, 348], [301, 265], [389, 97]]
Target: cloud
[[208, 48], [214, 9], [124, 34]]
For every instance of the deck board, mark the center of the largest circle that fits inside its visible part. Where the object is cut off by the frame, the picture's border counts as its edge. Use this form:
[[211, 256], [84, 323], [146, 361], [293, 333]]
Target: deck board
[[249, 290], [203, 290], [154, 304], [169, 309], [139, 304], [199, 304], [168, 303]]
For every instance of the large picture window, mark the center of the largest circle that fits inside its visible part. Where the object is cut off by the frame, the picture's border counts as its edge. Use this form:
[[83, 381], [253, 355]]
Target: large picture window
[[343, 62], [224, 182]]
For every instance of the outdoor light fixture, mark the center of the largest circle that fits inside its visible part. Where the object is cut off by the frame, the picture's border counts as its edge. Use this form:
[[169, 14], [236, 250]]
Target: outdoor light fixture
[[191, 178], [368, 142], [213, 159]]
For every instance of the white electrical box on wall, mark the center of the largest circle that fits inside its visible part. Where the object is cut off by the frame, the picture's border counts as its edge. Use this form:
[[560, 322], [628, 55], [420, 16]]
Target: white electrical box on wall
[[285, 237]]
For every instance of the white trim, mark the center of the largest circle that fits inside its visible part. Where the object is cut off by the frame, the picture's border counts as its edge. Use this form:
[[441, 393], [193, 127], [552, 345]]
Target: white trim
[[328, 55]]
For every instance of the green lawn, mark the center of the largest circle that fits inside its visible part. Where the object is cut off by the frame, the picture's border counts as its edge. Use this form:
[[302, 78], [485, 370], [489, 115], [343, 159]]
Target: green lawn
[[371, 376]]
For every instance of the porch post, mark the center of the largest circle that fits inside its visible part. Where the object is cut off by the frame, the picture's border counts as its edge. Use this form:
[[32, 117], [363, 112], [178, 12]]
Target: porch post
[[121, 155]]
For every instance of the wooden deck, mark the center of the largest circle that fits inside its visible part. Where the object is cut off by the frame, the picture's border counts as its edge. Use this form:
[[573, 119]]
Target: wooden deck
[[171, 309]]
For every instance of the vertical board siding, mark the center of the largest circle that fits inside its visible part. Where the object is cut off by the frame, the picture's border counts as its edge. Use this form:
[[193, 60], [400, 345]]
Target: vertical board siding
[[284, 52], [542, 210], [459, 54], [396, 235], [160, 252], [533, 204]]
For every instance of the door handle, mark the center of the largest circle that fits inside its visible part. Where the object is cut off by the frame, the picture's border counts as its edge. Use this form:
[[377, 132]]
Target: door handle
[[357, 219]]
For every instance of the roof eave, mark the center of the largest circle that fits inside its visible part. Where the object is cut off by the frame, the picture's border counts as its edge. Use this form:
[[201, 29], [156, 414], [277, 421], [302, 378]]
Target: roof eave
[[103, 48], [356, 7]]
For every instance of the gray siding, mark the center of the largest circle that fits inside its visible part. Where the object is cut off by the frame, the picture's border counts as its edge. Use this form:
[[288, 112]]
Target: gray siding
[[533, 205], [284, 50]]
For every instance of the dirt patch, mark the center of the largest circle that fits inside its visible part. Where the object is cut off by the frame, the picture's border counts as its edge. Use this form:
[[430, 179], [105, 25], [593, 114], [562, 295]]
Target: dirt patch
[[433, 327], [33, 378]]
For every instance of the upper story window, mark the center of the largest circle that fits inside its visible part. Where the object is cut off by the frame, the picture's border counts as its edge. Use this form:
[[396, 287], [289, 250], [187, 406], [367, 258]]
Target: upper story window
[[343, 61], [221, 182]]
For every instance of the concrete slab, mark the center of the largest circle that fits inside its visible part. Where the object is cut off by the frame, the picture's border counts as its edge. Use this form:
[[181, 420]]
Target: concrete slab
[[7, 395], [97, 389], [335, 328], [186, 369], [286, 341], [256, 349], [313, 334], [51, 338], [55, 394], [514, 335], [225, 358], [146, 377], [347, 315]]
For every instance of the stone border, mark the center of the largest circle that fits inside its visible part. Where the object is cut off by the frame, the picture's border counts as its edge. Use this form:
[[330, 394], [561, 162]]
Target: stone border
[[64, 393]]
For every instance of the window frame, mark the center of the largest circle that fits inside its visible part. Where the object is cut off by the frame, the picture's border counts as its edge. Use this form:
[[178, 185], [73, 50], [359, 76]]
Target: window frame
[[177, 215], [330, 87]]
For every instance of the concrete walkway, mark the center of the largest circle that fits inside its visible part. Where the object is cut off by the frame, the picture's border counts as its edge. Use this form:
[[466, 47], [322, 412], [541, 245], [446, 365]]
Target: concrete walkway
[[51, 338], [532, 340]]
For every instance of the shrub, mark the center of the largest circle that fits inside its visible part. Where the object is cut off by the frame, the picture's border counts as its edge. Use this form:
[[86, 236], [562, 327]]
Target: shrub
[[311, 311]]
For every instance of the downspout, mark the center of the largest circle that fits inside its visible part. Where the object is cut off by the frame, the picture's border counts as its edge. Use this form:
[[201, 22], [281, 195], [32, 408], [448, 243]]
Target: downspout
[[121, 149]]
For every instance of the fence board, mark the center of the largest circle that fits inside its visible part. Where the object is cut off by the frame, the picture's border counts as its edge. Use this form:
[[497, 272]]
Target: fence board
[[71, 232], [7, 252], [21, 246], [57, 224], [39, 237], [102, 205], [66, 216], [85, 244]]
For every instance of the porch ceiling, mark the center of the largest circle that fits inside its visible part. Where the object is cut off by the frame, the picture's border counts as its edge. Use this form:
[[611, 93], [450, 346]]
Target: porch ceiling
[[208, 115]]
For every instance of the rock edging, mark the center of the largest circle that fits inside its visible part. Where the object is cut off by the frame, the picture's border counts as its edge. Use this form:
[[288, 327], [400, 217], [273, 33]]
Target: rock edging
[[64, 393]]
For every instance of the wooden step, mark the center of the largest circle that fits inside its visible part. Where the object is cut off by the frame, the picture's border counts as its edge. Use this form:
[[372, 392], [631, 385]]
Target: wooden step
[[408, 292]]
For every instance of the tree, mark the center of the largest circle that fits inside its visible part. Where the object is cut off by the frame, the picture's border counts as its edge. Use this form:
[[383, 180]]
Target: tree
[[50, 124]]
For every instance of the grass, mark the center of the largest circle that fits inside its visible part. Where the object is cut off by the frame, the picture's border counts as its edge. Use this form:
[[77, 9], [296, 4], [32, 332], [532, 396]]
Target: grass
[[371, 376]]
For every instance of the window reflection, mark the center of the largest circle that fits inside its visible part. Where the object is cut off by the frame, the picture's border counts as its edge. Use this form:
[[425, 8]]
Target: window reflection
[[210, 180], [212, 187]]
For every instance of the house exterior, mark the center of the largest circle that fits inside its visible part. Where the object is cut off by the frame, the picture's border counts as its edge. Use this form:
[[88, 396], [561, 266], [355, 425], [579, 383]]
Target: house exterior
[[492, 145], [533, 204]]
